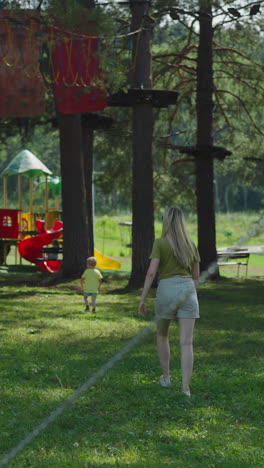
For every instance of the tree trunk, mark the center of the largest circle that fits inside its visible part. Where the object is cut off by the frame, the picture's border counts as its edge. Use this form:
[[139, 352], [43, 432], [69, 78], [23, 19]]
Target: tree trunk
[[88, 137], [87, 153], [204, 161], [75, 223], [74, 144], [142, 121], [142, 194]]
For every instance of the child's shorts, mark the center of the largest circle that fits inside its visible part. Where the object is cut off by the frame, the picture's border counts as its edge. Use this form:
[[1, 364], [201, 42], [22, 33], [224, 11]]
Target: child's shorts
[[176, 298], [90, 294]]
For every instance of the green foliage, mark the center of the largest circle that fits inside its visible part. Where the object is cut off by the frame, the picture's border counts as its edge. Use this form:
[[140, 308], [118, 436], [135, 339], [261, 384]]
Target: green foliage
[[113, 164], [238, 116], [72, 16], [238, 87]]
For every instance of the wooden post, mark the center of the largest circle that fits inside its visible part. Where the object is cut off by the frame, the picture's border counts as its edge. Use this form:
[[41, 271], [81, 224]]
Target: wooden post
[[19, 189], [31, 202], [19, 184], [46, 195]]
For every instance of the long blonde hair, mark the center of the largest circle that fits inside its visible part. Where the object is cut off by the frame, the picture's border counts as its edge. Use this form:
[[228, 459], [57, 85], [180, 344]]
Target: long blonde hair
[[174, 230]]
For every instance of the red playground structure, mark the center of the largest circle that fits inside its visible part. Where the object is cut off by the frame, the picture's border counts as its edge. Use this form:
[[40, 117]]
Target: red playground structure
[[31, 248], [9, 226]]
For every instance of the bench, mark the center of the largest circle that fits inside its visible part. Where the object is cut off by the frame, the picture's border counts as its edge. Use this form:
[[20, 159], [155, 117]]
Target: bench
[[233, 258]]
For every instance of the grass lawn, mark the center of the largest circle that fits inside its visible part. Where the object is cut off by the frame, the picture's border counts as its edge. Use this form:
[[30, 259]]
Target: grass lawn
[[49, 347]]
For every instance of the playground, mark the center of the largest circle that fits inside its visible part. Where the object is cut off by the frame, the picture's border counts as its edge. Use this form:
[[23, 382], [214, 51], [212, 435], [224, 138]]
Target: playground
[[25, 231]]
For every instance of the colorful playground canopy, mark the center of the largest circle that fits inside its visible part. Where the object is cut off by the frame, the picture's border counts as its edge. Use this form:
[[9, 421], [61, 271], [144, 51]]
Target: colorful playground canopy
[[26, 163]]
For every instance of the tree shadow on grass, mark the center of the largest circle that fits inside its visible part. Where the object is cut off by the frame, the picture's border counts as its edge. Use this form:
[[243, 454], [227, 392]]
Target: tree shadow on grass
[[127, 411], [34, 292], [124, 411], [19, 293]]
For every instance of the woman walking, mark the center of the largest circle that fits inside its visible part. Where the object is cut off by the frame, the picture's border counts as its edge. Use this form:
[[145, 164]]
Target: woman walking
[[176, 260]]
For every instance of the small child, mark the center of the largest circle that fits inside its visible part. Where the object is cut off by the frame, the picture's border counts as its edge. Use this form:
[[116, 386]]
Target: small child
[[91, 281]]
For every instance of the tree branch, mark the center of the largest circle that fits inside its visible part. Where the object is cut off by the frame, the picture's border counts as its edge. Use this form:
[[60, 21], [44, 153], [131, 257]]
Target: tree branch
[[39, 5], [176, 66], [243, 106], [236, 77], [240, 54], [180, 56]]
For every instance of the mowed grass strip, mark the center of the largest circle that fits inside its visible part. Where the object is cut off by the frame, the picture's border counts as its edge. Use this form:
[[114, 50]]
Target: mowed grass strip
[[49, 347]]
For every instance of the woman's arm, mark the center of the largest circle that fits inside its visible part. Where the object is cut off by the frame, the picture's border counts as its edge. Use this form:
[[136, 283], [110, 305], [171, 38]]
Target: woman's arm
[[150, 276], [195, 271]]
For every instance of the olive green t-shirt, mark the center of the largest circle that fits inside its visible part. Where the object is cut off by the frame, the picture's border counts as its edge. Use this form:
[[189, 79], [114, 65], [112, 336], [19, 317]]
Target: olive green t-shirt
[[169, 266]]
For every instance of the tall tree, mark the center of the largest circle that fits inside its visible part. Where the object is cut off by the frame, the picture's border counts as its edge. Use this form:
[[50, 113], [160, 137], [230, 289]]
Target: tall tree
[[204, 142], [75, 222], [194, 69], [76, 143], [142, 191], [87, 154]]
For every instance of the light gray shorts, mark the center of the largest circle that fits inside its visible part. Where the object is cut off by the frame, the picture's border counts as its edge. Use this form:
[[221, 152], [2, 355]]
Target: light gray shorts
[[176, 298]]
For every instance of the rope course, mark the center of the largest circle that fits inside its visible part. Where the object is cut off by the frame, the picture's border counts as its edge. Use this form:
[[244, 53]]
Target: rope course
[[135, 340], [22, 87], [79, 66], [24, 31]]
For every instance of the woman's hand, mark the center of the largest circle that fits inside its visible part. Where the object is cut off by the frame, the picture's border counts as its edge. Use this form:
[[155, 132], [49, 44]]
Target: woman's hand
[[142, 309], [150, 276]]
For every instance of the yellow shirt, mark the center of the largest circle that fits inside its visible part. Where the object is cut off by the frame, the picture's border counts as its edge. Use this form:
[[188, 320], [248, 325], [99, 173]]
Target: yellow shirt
[[91, 278], [169, 266]]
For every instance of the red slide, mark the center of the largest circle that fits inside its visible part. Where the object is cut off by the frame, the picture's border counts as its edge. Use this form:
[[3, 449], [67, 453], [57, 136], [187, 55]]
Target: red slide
[[31, 248]]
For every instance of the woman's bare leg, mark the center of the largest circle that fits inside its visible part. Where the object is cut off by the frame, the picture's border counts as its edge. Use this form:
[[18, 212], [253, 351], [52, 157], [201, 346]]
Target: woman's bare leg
[[186, 343], [164, 345]]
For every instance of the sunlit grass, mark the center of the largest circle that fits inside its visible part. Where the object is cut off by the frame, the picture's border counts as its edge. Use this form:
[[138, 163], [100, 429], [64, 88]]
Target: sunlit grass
[[49, 347]]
